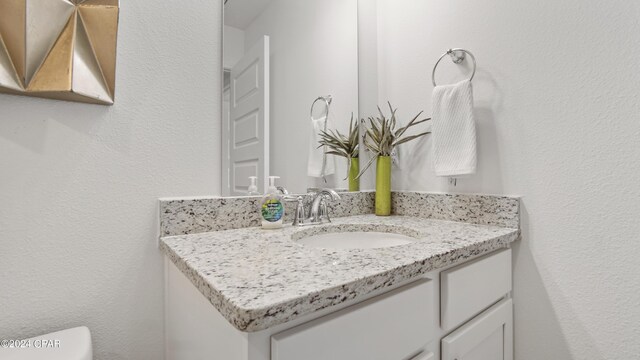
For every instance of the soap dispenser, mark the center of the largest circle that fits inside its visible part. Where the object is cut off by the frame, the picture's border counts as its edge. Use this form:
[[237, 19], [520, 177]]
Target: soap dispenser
[[253, 186], [271, 207]]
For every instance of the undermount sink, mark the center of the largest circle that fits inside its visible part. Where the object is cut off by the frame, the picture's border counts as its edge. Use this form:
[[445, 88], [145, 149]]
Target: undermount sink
[[356, 240]]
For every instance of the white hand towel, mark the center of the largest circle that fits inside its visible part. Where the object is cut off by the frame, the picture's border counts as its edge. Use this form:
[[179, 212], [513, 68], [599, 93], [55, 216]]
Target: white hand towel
[[315, 162], [454, 130]]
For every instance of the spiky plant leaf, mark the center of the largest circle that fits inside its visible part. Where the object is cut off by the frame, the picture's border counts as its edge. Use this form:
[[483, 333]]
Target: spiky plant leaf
[[346, 146], [382, 136], [409, 138]]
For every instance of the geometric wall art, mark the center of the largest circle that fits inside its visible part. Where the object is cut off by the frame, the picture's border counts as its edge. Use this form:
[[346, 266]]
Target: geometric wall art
[[59, 49]]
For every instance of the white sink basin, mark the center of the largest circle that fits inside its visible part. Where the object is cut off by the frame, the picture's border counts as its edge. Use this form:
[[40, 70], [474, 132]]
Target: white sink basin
[[356, 240]]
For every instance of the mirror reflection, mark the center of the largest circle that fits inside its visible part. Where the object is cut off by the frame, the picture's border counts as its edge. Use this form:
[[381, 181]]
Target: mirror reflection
[[290, 92]]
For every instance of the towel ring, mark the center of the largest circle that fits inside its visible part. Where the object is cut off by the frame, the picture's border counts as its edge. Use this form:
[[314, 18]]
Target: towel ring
[[327, 102], [457, 56]]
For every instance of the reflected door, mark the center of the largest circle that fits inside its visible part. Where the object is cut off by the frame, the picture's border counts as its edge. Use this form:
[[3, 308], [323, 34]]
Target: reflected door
[[245, 131]]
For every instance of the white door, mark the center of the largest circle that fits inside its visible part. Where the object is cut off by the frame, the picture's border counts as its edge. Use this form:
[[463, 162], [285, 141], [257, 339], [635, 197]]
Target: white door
[[489, 336], [245, 132]]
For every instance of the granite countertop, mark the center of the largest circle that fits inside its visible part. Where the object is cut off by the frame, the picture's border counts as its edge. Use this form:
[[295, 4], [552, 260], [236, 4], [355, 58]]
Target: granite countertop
[[260, 278]]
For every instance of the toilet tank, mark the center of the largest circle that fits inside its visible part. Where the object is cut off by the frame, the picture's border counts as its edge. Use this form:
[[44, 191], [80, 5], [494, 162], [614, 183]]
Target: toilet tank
[[70, 344]]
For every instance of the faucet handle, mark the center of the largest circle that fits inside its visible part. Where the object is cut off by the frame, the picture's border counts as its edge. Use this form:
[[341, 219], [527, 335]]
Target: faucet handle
[[324, 211], [300, 214]]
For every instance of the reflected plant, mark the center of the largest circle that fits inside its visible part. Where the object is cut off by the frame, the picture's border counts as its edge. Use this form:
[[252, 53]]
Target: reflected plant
[[382, 136], [338, 144]]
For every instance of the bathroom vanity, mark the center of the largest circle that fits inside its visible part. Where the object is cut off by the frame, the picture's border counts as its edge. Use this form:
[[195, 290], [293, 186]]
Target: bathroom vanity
[[243, 293]]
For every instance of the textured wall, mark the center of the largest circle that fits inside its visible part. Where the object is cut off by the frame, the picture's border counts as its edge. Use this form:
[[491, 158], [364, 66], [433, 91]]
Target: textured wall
[[79, 183], [557, 101]]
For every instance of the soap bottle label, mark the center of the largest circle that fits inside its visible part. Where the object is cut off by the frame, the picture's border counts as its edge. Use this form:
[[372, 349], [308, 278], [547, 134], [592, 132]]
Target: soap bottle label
[[272, 210]]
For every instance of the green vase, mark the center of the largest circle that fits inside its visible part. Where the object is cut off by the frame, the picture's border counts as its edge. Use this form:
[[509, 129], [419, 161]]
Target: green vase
[[383, 186], [354, 170]]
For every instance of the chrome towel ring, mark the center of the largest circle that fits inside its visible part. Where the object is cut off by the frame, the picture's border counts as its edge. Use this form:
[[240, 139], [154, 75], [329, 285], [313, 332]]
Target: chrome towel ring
[[457, 56], [327, 102]]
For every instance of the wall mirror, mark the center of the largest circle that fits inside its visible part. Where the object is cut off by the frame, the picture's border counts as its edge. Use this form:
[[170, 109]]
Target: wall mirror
[[279, 56]]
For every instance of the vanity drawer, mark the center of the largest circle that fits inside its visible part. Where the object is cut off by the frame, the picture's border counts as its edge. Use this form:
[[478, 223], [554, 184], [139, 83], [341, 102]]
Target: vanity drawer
[[392, 326], [468, 289]]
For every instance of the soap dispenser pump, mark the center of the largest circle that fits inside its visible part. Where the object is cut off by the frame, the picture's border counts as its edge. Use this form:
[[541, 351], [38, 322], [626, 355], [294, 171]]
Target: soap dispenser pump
[[272, 207], [253, 186]]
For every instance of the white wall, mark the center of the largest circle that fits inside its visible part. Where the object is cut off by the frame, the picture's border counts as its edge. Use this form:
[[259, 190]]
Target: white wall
[[233, 46], [557, 103], [79, 183], [367, 79], [314, 52]]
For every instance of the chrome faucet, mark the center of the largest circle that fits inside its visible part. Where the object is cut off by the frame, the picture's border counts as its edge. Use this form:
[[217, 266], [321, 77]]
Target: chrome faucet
[[318, 210]]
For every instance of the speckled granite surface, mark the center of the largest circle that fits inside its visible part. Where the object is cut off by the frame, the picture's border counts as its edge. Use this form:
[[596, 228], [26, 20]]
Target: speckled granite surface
[[197, 215], [470, 208], [260, 278]]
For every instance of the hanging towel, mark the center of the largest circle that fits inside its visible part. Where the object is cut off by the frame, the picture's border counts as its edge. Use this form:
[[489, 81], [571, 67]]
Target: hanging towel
[[454, 130], [316, 155]]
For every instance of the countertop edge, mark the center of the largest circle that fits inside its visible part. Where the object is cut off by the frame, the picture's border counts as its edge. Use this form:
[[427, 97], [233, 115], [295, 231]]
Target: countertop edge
[[245, 319]]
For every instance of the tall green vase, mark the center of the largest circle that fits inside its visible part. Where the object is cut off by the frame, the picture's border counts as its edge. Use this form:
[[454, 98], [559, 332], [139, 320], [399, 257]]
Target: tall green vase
[[354, 170], [383, 186]]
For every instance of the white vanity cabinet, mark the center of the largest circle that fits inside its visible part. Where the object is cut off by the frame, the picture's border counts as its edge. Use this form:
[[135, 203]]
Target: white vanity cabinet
[[467, 290], [488, 336], [463, 312], [395, 325]]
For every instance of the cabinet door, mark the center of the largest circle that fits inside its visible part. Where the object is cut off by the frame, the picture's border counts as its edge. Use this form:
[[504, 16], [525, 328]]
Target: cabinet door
[[489, 336], [392, 326]]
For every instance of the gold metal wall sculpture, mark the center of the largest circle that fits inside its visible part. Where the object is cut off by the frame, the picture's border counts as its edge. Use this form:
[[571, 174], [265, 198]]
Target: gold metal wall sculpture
[[59, 49]]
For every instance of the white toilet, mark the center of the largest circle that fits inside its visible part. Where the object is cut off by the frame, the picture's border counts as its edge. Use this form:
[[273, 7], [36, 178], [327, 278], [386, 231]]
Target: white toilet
[[71, 344]]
